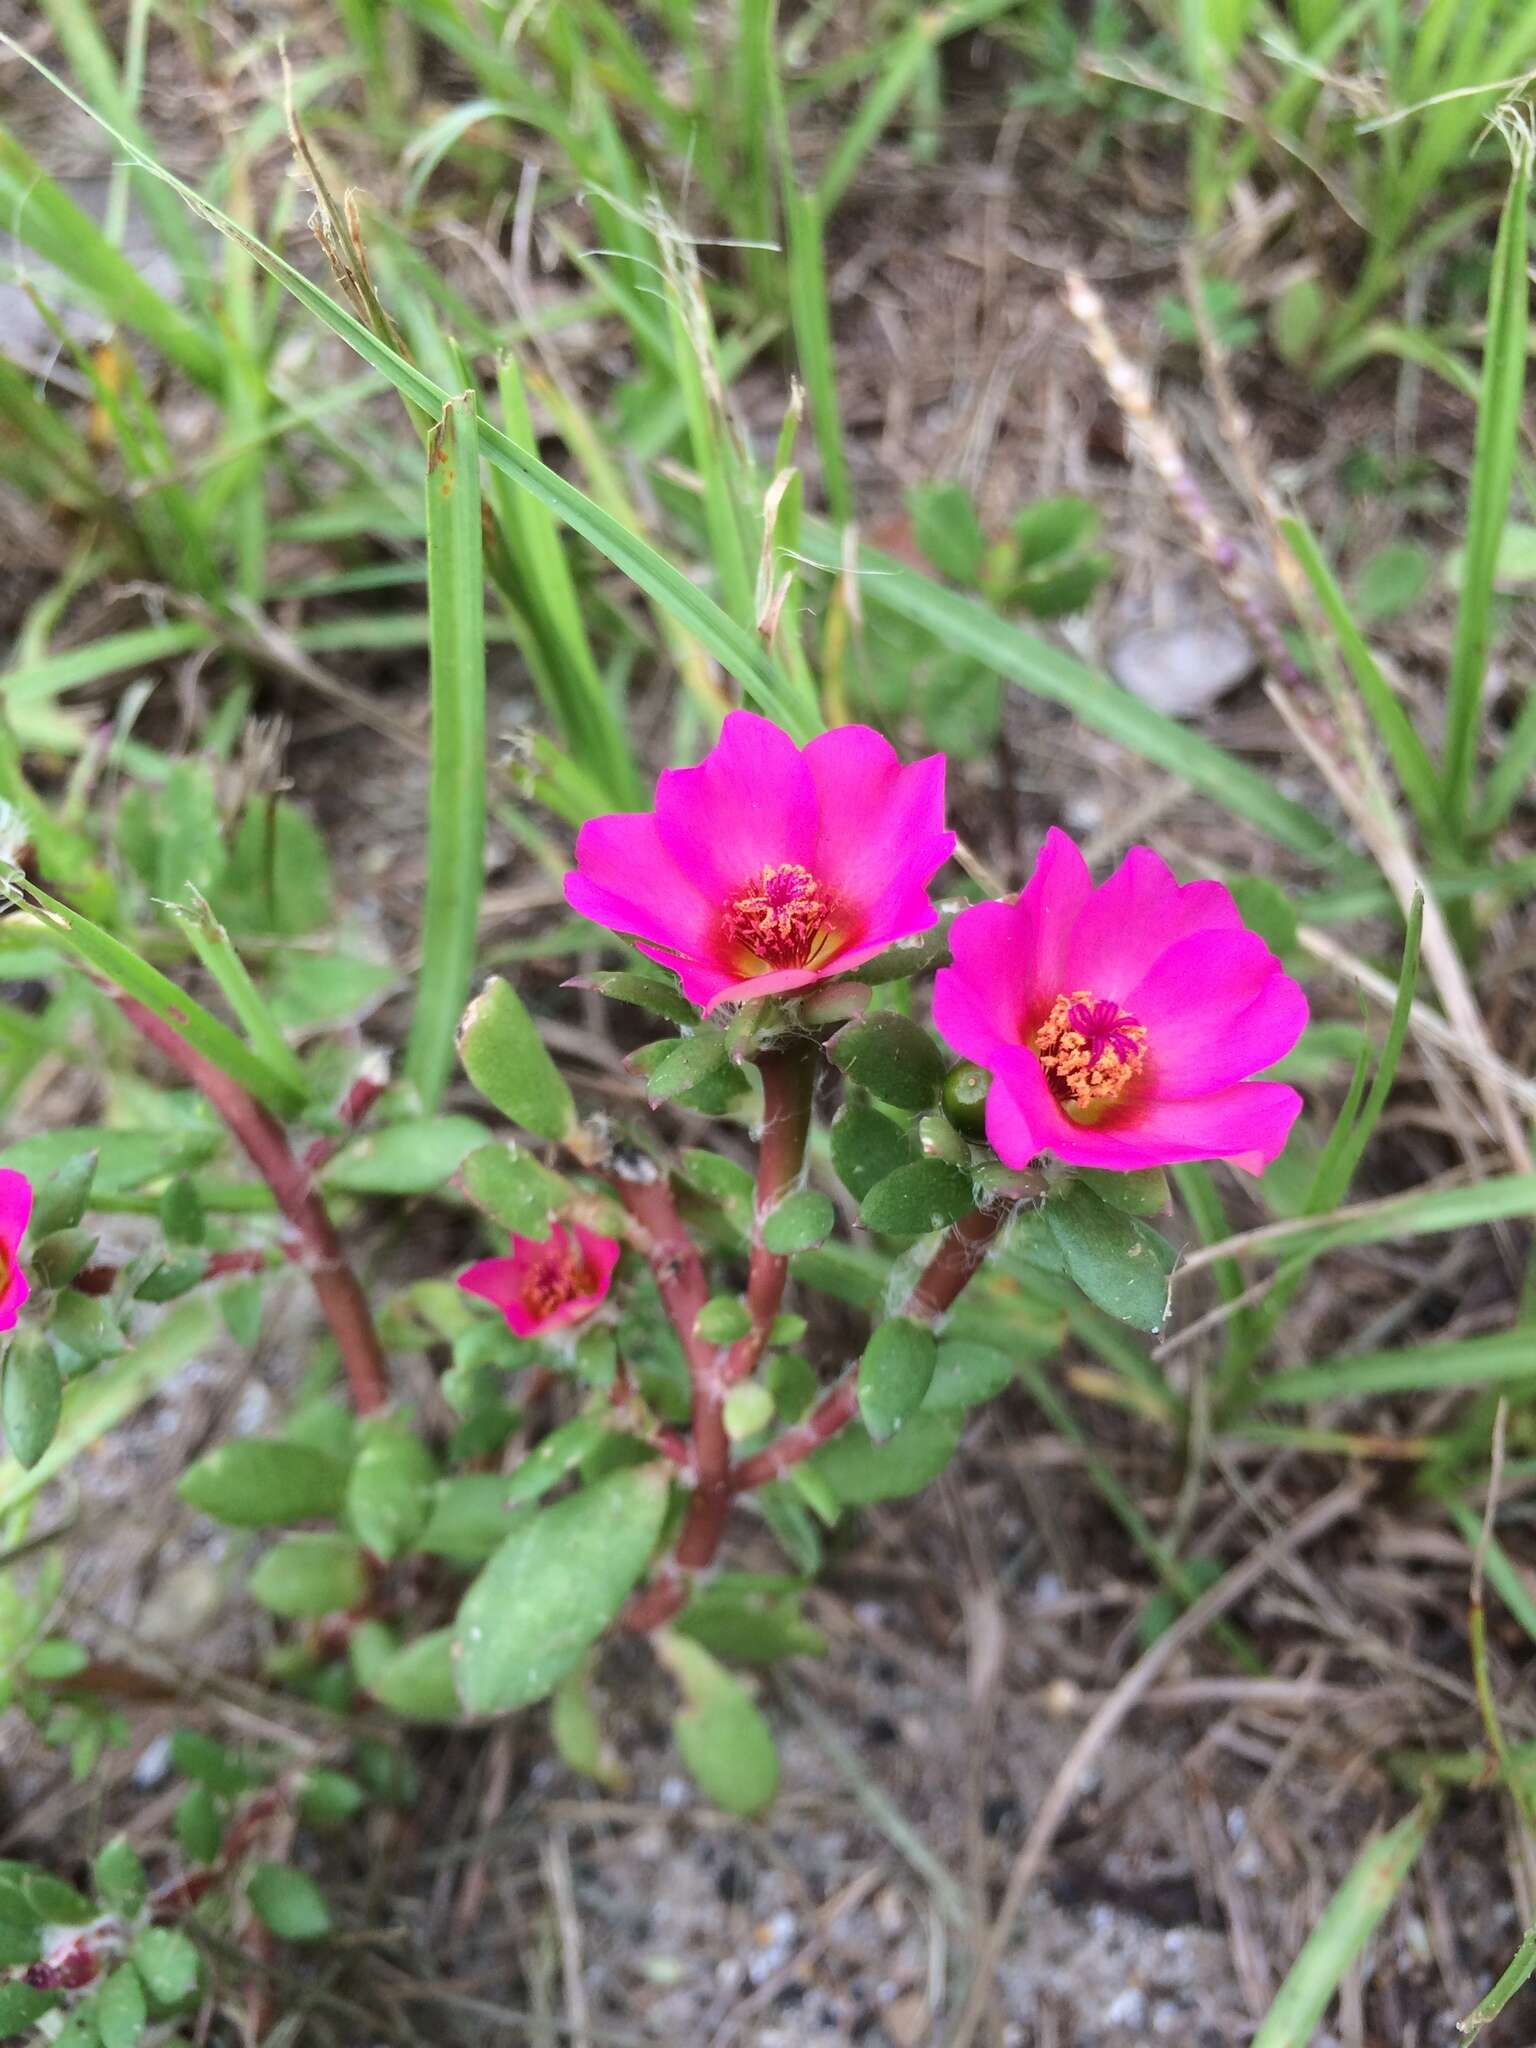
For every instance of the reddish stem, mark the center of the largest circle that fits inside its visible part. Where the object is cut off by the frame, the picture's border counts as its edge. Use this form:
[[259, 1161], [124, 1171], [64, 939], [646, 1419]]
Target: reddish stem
[[963, 1248], [341, 1299], [358, 1100], [789, 1080], [655, 1603], [680, 1279]]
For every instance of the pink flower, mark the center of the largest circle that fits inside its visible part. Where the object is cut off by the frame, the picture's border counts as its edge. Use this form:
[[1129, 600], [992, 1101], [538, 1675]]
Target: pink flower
[[770, 866], [15, 1214], [1121, 1023], [540, 1288]]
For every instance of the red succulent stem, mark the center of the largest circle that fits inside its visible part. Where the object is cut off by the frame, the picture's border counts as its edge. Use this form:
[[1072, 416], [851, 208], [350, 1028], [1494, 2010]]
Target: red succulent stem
[[789, 1083], [341, 1299], [961, 1252], [355, 1105], [681, 1282]]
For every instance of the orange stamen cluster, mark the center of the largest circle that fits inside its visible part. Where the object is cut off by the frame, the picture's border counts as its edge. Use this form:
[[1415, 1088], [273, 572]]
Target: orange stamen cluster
[[1090, 1049], [559, 1275], [782, 916]]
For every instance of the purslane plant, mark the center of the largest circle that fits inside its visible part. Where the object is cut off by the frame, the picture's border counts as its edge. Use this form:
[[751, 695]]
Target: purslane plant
[[779, 899]]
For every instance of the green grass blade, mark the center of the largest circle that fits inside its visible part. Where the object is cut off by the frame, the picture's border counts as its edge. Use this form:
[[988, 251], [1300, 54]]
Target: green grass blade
[[41, 215], [695, 366], [1460, 1362], [90, 57], [967, 626], [1337, 1170], [1498, 1567], [547, 595], [812, 326], [115, 963], [901, 68], [1510, 776], [1410, 759], [734, 646], [35, 682], [1493, 469], [1349, 1920], [1426, 1214], [214, 948], [1521, 1967], [456, 824]]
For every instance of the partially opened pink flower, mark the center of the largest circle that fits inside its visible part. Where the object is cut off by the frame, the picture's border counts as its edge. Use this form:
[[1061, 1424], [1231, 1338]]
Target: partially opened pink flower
[[15, 1214], [770, 866], [1121, 1023], [544, 1287]]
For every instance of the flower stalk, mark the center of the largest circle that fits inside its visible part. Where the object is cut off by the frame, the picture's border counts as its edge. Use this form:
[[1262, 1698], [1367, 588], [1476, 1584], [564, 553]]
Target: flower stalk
[[961, 1252], [789, 1085], [341, 1299]]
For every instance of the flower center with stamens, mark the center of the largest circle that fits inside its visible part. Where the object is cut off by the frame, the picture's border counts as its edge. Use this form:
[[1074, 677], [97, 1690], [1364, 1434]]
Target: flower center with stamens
[[559, 1275], [1091, 1050], [782, 917]]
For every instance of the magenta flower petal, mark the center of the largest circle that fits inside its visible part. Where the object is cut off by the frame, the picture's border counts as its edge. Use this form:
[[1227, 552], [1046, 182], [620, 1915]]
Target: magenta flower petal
[[1121, 1024], [15, 1214], [880, 835], [1217, 1007], [1248, 1125], [1052, 900], [768, 868], [543, 1287], [749, 804], [990, 946], [626, 880], [1139, 912]]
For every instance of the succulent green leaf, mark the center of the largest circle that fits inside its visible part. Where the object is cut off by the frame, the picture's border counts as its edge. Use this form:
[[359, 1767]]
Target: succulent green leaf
[[505, 1058], [722, 1737], [867, 1145], [61, 1200], [288, 1902], [31, 1397], [515, 1190], [165, 1958], [858, 1471], [799, 1223], [555, 1584], [1120, 1264], [412, 1158], [894, 1375], [893, 1057], [306, 1576], [417, 1681], [927, 1195], [264, 1483], [389, 1491]]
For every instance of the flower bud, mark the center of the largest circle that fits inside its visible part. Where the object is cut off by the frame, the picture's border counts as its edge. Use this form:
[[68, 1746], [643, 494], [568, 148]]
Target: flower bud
[[965, 1097]]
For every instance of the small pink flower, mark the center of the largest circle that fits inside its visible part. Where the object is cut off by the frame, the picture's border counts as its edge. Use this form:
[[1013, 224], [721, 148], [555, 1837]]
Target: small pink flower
[[1121, 1023], [15, 1213], [770, 866], [544, 1287]]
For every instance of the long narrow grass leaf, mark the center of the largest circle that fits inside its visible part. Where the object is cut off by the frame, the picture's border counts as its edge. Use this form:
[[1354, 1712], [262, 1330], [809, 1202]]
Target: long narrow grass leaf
[[1410, 759], [1460, 1362], [117, 964], [1493, 468], [456, 821], [734, 646], [967, 626], [1349, 1920]]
